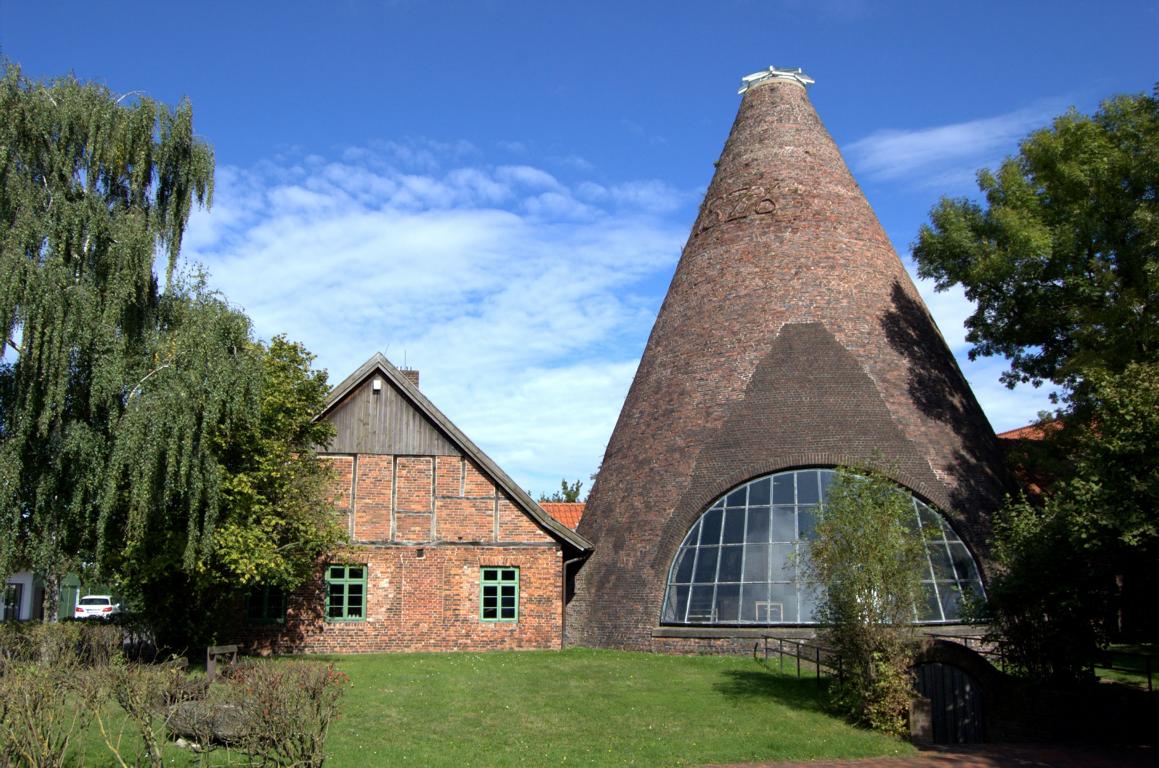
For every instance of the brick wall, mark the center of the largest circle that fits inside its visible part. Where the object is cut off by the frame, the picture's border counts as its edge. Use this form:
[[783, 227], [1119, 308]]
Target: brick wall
[[426, 603], [424, 527], [791, 336]]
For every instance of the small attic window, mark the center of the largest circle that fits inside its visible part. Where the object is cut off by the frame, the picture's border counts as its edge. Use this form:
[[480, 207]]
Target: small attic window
[[376, 386]]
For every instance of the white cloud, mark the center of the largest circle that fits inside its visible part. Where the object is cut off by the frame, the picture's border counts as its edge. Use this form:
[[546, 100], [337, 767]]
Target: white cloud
[[950, 309], [575, 162], [483, 187], [1005, 408], [524, 301], [527, 176], [945, 155], [558, 205], [649, 195], [652, 195], [524, 307], [566, 410]]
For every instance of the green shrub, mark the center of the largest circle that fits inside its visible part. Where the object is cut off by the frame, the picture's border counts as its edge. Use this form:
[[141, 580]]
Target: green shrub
[[47, 690], [41, 710], [68, 642], [57, 678], [286, 710], [99, 644], [147, 693], [865, 560]]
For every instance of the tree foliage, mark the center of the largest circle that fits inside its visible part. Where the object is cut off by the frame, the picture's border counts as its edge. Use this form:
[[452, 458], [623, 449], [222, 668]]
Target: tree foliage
[[1112, 442], [91, 188], [1040, 605], [865, 561], [1078, 568], [1061, 261], [214, 485], [568, 492], [1063, 265], [143, 432], [196, 387], [279, 521]]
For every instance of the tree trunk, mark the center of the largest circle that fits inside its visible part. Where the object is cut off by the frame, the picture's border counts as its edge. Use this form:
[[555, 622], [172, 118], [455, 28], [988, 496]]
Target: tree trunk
[[50, 601]]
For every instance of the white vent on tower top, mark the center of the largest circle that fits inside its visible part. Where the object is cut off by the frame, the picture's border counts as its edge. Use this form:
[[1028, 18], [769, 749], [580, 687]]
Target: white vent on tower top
[[796, 74]]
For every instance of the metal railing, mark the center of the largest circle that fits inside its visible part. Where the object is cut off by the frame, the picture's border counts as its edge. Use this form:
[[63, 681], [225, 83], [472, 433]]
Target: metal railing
[[817, 655]]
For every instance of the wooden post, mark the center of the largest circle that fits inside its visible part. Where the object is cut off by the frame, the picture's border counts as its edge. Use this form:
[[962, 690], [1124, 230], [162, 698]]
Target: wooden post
[[214, 653]]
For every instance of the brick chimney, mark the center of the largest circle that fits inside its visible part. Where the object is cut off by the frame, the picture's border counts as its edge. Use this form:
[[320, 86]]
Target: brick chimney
[[791, 336], [411, 374]]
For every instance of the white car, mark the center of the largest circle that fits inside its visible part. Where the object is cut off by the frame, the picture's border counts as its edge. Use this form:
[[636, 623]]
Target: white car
[[96, 607]]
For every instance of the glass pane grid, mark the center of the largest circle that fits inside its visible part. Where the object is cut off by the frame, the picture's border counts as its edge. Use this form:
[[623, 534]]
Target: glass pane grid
[[346, 593], [499, 594], [739, 562]]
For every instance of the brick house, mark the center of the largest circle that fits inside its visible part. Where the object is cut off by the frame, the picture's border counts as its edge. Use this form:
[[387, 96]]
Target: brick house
[[446, 551]]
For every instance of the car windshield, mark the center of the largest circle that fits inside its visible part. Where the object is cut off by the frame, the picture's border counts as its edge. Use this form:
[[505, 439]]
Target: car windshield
[[94, 601]]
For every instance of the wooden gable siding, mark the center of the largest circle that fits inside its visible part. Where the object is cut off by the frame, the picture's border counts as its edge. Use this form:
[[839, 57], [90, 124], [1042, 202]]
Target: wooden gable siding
[[384, 423]]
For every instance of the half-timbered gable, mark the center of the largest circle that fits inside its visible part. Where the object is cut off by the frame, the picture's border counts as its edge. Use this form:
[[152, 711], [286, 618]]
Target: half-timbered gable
[[446, 551]]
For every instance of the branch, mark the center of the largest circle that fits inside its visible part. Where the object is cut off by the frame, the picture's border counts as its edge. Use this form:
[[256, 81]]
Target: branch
[[137, 389], [124, 96]]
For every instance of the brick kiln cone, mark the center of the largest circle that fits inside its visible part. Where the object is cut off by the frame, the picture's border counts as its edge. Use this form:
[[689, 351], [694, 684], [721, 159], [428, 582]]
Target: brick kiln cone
[[791, 336]]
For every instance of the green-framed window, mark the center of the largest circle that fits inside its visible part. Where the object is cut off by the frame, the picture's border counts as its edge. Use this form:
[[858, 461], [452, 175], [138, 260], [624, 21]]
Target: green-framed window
[[499, 594], [346, 593], [266, 605]]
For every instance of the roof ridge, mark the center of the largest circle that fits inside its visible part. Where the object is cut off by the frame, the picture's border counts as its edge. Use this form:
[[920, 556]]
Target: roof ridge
[[379, 363]]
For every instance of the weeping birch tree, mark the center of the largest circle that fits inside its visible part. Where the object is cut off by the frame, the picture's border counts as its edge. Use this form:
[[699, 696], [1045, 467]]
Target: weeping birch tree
[[143, 431], [94, 191]]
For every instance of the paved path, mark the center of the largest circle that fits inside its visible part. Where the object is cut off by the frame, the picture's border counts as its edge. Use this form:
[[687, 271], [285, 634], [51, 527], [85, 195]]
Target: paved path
[[997, 756]]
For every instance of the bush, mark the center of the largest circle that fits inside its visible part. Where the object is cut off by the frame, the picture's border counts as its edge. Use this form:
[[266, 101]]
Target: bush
[[43, 691], [286, 710], [1047, 605], [57, 678], [865, 559], [149, 694], [277, 713], [38, 719], [70, 642]]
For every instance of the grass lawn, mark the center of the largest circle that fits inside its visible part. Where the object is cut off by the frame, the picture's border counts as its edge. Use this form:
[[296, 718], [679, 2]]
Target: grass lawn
[[578, 707], [1128, 664]]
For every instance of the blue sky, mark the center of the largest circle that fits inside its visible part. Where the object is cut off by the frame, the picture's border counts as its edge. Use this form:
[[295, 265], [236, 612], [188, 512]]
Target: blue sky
[[497, 193]]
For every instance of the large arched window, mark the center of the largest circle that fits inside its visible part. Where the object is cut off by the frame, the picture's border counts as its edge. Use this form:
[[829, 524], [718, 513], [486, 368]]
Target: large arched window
[[740, 562]]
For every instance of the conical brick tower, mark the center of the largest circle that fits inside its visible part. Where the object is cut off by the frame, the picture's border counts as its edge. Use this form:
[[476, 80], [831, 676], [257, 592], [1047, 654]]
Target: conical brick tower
[[791, 337]]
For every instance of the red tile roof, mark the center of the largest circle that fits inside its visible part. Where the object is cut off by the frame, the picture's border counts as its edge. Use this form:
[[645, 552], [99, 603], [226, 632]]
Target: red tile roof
[[1031, 460], [1030, 431], [566, 512]]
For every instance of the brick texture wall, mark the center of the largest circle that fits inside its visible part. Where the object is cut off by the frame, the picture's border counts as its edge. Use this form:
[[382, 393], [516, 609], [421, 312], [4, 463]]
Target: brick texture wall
[[791, 336], [424, 527]]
